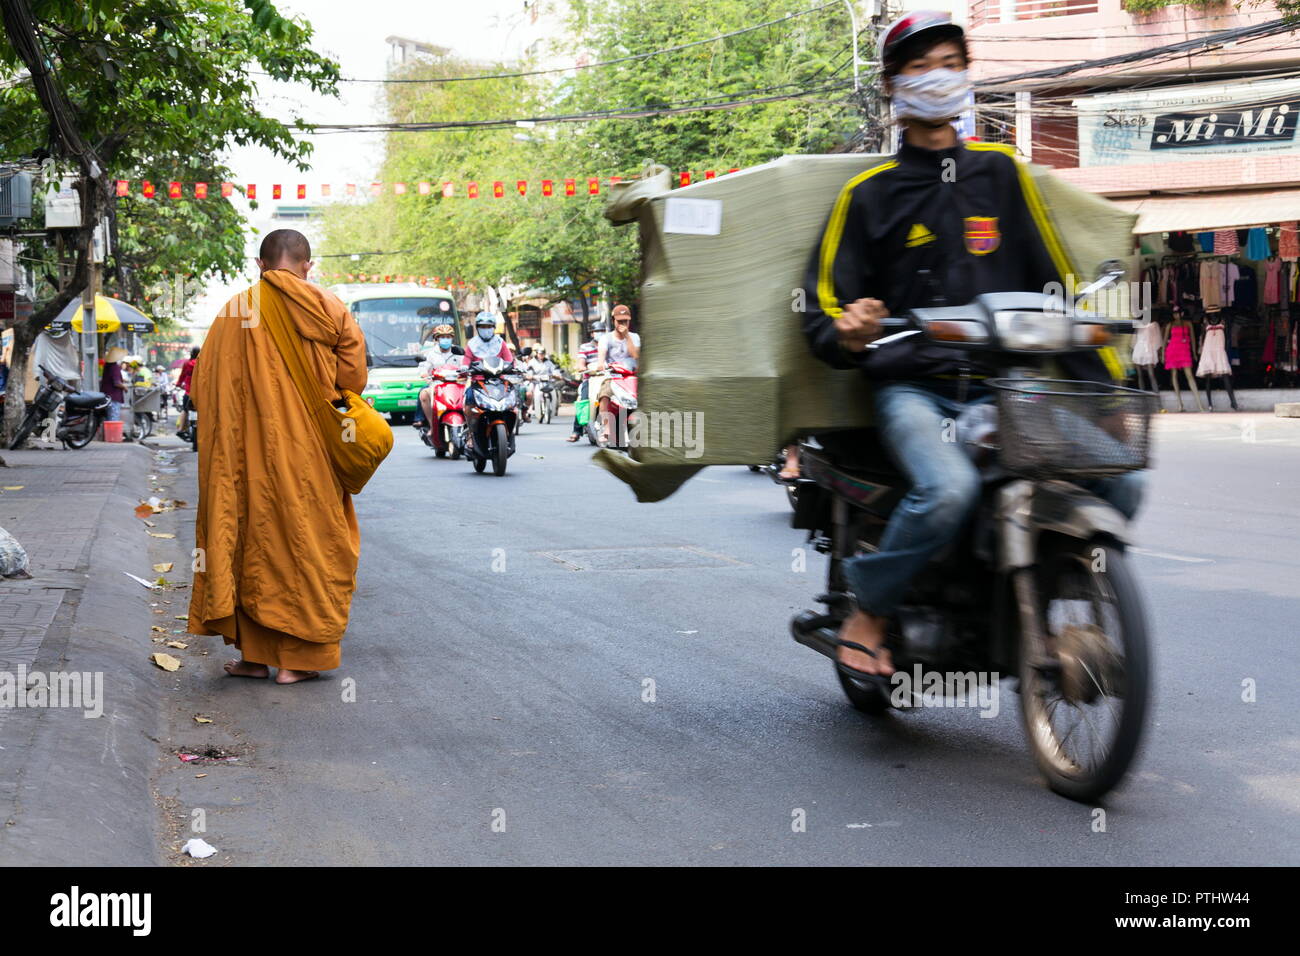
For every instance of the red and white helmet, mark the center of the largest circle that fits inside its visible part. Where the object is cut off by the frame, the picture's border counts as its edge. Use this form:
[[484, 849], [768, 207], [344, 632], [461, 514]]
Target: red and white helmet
[[934, 24]]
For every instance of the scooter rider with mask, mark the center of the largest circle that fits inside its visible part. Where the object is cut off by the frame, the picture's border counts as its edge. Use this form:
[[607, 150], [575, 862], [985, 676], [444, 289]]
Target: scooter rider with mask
[[486, 343], [443, 353], [939, 223]]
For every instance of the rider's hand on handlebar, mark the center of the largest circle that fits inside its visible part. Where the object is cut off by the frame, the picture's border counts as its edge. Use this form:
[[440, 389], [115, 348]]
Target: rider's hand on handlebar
[[859, 323]]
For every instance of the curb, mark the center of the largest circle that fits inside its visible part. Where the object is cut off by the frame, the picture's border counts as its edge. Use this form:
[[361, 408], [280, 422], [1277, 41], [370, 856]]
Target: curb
[[83, 794]]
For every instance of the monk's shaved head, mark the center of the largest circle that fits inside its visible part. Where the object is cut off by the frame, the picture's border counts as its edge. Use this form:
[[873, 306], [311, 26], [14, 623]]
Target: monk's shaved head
[[284, 247]]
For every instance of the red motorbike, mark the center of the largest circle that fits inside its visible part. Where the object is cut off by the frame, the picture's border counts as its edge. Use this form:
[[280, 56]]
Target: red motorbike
[[447, 431], [622, 406]]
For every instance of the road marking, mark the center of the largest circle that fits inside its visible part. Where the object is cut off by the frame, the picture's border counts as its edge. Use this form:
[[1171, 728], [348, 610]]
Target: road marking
[[1171, 557]]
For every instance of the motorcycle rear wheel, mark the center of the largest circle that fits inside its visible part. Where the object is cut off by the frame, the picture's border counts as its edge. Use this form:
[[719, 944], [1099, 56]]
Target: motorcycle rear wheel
[[1104, 661], [81, 442], [870, 697]]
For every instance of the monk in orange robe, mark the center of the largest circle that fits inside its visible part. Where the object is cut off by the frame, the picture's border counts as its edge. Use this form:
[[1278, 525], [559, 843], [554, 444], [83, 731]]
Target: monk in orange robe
[[276, 535]]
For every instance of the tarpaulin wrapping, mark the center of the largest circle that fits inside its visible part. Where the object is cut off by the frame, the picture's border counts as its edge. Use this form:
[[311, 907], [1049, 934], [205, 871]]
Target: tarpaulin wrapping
[[722, 344]]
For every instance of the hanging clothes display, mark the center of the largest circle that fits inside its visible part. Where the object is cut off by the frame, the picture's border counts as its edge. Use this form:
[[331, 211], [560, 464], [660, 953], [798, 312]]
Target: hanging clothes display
[[1257, 247], [1272, 281], [1206, 241], [1225, 242], [1270, 346], [1244, 292], [1211, 285], [1214, 355], [1288, 240]]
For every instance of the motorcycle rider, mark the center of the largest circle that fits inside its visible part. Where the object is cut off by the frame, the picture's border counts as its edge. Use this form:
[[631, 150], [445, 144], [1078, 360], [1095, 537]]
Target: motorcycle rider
[[442, 354], [620, 347], [587, 353], [939, 223], [486, 343]]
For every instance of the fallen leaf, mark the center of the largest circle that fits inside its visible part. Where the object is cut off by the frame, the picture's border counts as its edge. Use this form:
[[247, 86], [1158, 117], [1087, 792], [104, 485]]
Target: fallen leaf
[[14, 487], [143, 511], [199, 776], [202, 720], [181, 645], [164, 567], [178, 503], [159, 610], [165, 661], [151, 524], [157, 534], [159, 628], [182, 617]]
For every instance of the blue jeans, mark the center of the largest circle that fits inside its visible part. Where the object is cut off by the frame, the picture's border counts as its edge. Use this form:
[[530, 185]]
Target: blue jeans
[[916, 425]]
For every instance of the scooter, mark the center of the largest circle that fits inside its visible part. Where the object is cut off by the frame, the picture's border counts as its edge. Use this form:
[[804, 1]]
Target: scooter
[[492, 414], [622, 408], [447, 433], [1038, 586], [77, 415], [584, 409], [542, 391]]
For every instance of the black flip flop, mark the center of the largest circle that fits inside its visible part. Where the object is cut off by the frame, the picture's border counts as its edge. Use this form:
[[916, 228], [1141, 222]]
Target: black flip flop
[[853, 672]]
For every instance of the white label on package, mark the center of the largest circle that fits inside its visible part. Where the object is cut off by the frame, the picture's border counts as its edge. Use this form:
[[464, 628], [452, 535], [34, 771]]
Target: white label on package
[[693, 217]]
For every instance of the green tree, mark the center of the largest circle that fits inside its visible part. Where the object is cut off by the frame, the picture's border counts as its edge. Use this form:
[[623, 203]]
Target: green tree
[[153, 88], [565, 244]]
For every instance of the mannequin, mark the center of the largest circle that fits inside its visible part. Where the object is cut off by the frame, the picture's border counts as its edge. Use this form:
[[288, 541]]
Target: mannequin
[[1180, 351], [1148, 343], [1214, 360]]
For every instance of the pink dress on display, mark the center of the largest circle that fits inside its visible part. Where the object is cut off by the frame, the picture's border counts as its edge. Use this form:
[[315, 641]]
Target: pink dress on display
[[1178, 354]]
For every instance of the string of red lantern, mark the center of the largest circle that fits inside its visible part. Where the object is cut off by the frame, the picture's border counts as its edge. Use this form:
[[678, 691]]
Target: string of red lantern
[[175, 189]]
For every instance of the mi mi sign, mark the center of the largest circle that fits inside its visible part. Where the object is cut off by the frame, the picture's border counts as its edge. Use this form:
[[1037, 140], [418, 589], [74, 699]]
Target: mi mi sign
[[1264, 124]]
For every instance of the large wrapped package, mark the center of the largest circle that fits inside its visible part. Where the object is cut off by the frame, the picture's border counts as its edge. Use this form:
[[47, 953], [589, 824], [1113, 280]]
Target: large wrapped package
[[725, 374]]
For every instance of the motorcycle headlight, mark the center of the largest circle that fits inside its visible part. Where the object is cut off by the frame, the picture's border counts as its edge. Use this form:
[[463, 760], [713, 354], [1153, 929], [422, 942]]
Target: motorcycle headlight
[[1034, 331]]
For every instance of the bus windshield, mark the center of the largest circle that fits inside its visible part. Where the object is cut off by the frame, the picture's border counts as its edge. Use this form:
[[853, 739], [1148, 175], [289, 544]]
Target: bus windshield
[[395, 329]]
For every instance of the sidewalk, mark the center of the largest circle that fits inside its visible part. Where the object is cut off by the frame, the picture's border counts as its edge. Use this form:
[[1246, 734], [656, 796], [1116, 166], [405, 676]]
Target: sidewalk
[[73, 790]]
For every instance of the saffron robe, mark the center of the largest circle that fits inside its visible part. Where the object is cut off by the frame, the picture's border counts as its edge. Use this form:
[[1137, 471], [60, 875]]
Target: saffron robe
[[277, 536]]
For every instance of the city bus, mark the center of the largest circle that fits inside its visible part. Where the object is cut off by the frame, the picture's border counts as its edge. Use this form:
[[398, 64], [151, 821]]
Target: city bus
[[397, 320]]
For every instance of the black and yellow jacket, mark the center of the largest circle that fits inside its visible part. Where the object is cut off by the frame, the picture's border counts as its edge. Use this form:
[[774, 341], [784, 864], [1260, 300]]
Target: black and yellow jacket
[[932, 227]]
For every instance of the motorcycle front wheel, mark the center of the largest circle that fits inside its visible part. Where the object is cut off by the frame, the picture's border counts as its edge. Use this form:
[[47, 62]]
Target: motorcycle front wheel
[[30, 421], [502, 450], [1084, 697]]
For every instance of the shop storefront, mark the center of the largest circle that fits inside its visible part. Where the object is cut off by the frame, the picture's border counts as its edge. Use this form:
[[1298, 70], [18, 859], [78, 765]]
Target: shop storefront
[[1213, 172]]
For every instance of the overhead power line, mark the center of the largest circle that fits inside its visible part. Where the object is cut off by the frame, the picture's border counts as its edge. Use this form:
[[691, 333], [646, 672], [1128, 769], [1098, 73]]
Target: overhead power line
[[637, 112], [1269, 28]]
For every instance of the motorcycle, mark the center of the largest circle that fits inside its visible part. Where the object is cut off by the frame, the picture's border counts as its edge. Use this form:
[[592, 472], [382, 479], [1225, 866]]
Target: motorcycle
[[1038, 585], [77, 414], [543, 391], [584, 409], [492, 413], [622, 408], [447, 433]]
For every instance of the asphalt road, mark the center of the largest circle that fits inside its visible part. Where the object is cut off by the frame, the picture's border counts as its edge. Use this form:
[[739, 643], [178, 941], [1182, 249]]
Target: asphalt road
[[500, 712]]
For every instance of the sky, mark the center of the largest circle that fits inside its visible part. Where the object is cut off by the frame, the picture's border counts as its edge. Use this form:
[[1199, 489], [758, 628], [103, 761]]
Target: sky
[[354, 34]]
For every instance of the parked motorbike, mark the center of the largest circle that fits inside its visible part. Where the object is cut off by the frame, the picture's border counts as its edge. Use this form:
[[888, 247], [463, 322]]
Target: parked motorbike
[[1039, 585], [622, 408], [492, 414], [77, 414], [447, 432]]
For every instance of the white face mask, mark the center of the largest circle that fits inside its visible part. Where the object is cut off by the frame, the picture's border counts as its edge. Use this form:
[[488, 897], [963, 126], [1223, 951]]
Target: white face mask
[[486, 334], [933, 96]]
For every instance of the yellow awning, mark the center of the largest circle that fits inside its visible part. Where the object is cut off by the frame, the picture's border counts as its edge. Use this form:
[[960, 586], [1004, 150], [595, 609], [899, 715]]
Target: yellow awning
[[1204, 211]]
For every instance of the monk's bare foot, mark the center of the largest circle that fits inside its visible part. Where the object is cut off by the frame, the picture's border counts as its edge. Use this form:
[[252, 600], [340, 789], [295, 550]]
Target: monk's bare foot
[[247, 669], [286, 676], [869, 631]]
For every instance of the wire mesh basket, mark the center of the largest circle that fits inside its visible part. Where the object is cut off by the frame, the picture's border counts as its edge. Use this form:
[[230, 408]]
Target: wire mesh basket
[[1053, 428]]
